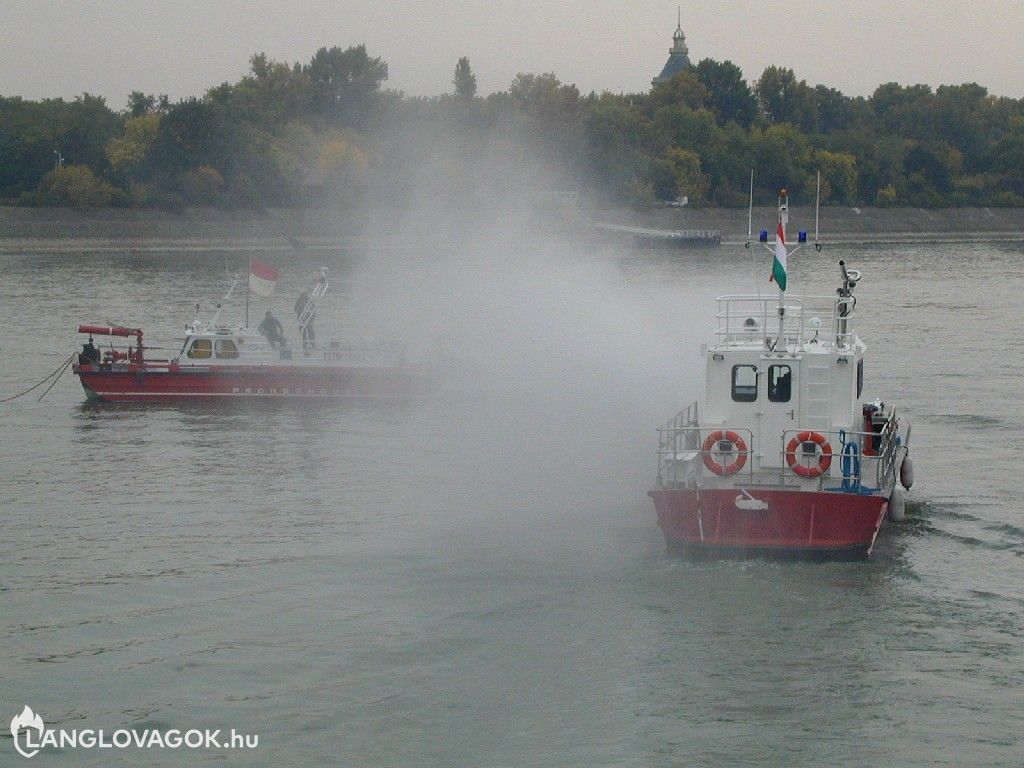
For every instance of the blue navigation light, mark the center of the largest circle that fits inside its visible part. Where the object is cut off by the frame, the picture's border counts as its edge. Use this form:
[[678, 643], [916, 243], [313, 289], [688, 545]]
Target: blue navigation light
[[802, 237], [763, 237]]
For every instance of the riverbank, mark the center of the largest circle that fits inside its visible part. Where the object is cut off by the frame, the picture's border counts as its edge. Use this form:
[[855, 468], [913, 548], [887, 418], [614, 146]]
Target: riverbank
[[55, 230], [842, 224]]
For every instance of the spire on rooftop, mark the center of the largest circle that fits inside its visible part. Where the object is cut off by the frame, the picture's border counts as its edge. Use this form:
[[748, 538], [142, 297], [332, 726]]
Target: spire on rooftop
[[678, 54]]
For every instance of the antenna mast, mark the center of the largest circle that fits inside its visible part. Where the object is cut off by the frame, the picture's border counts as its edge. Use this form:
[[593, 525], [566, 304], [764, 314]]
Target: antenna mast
[[817, 210], [750, 209]]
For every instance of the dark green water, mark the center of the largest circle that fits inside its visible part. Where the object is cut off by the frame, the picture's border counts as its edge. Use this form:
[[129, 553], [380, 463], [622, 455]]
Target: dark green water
[[479, 580]]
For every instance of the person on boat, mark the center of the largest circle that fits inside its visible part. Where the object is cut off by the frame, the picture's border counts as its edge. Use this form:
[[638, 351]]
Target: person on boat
[[271, 328], [90, 355], [308, 334]]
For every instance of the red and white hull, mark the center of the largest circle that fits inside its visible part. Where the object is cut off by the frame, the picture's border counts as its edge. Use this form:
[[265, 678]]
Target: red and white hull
[[173, 383], [727, 521]]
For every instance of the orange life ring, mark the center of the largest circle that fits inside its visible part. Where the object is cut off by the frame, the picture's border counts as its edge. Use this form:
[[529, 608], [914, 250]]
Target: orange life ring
[[824, 461], [709, 459]]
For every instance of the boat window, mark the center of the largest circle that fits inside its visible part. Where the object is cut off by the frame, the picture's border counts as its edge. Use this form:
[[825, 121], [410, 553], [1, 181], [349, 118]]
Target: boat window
[[226, 348], [744, 383], [201, 348], [780, 383], [860, 377]]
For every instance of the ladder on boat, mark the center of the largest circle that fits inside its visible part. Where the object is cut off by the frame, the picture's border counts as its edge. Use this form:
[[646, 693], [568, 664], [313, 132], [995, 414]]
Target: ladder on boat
[[819, 385]]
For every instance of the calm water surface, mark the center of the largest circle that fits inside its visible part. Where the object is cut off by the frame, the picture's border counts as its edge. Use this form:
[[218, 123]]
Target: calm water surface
[[479, 580]]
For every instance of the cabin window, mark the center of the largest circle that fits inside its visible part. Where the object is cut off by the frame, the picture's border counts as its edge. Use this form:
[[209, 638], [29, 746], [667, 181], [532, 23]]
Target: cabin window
[[860, 377], [744, 383], [201, 348], [226, 348], [780, 383]]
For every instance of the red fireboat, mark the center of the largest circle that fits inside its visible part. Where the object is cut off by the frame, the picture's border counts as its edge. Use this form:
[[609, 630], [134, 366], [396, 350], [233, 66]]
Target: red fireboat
[[218, 362], [785, 456]]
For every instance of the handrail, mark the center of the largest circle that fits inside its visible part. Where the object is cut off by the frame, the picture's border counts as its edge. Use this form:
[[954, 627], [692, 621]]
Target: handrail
[[743, 319], [886, 457], [670, 439], [683, 433]]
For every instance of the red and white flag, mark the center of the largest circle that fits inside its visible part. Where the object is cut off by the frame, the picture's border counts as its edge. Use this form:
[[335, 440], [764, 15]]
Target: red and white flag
[[262, 278]]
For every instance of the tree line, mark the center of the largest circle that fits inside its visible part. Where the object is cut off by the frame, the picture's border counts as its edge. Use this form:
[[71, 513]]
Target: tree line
[[328, 132]]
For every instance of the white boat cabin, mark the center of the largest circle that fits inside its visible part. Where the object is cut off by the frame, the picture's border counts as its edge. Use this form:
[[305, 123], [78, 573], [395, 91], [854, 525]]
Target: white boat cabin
[[784, 401], [204, 347], [767, 383]]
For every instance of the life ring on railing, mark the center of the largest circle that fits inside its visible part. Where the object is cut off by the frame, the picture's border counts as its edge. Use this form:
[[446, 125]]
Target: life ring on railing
[[708, 452], [824, 460]]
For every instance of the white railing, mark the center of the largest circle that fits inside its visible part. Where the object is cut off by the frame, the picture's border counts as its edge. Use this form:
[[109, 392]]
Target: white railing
[[682, 439], [884, 457], [746, 320]]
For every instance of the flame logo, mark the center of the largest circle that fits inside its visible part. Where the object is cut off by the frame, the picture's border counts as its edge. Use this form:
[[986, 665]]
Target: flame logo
[[27, 719]]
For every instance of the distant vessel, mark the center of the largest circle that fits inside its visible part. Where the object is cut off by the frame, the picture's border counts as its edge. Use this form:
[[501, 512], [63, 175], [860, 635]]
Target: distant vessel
[[218, 362], [642, 237], [784, 456]]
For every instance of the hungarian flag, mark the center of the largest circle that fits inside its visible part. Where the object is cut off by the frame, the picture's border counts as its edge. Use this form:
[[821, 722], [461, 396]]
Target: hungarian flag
[[262, 278], [779, 263]]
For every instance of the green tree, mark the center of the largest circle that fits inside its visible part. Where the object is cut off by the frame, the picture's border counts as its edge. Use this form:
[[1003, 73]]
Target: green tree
[[782, 157], [1006, 158], [838, 177], [690, 180], [930, 170], [126, 153], [729, 95], [615, 133], [272, 93], [544, 95], [202, 186], [344, 83], [785, 99], [195, 133], [837, 112], [683, 90], [140, 104], [464, 80], [83, 128]]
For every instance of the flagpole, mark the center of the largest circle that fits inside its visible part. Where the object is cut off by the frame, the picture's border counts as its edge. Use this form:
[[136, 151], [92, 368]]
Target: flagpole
[[750, 235], [248, 280], [783, 220]]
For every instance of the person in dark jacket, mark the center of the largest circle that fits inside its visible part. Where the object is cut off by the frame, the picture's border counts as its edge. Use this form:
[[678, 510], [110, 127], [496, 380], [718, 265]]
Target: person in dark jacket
[[89, 354], [271, 328]]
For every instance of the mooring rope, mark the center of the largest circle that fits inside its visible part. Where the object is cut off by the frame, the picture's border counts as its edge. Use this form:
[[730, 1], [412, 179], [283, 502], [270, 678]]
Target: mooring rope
[[56, 372]]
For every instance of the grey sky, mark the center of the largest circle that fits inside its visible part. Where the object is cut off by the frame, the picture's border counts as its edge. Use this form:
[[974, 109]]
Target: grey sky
[[109, 47]]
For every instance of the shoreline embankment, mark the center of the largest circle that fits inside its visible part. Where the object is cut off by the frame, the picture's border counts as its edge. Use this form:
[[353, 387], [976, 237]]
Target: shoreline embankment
[[62, 230]]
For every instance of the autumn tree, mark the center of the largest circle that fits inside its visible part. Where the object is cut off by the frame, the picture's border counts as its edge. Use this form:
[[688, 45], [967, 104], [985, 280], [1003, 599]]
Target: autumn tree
[[75, 186]]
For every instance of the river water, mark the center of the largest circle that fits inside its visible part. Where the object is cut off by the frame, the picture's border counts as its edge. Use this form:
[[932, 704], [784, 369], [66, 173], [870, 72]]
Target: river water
[[479, 580]]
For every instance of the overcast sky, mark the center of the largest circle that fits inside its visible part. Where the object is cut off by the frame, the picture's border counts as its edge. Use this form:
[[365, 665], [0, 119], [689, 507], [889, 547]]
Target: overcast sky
[[110, 47]]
